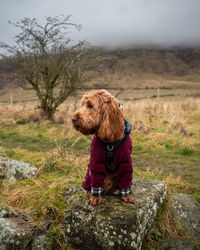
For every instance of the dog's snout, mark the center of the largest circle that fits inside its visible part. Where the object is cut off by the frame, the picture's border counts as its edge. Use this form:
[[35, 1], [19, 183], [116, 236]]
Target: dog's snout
[[74, 119]]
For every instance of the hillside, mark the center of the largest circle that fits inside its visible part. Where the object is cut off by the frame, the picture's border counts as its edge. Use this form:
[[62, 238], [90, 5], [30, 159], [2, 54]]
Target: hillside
[[135, 69], [172, 62], [139, 65]]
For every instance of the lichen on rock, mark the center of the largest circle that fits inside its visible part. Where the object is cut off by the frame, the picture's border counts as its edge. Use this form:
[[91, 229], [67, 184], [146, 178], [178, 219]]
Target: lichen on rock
[[114, 224], [12, 237], [188, 211], [41, 242], [13, 170], [176, 244], [3, 213]]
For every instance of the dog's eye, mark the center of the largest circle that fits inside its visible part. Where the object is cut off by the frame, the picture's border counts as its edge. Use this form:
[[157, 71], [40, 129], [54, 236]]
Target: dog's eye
[[90, 106]]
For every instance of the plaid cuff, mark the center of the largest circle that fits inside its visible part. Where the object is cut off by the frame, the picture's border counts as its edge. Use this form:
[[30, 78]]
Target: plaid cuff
[[96, 192], [125, 191]]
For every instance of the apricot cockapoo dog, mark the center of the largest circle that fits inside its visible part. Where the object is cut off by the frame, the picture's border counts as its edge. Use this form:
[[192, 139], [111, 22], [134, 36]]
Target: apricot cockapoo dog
[[110, 166]]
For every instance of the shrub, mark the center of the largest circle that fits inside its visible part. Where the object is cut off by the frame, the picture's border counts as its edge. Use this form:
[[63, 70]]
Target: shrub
[[21, 121]]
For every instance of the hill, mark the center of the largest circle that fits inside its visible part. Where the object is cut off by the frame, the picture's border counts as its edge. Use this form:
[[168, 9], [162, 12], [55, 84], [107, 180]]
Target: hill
[[134, 65], [133, 69]]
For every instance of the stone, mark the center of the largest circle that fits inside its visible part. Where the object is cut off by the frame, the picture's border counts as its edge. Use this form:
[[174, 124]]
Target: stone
[[188, 211], [40, 242], [176, 244], [113, 224], [3, 213], [13, 170], [13, 236]]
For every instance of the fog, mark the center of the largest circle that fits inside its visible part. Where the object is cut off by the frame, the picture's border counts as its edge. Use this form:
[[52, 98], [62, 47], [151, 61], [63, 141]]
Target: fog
[[114, 23]]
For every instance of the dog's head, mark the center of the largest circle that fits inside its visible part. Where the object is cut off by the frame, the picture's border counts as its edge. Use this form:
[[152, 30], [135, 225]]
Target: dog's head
[[101, 115]]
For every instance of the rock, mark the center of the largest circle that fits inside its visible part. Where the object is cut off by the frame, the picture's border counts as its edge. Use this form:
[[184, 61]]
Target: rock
[[176, 244], [13, 170], [13, 236], [73, 190], [188, 211], [40, 243], [113, 224], [3, 213]]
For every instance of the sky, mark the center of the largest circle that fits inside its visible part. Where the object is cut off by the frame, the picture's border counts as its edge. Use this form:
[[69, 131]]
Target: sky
[[113, 23]]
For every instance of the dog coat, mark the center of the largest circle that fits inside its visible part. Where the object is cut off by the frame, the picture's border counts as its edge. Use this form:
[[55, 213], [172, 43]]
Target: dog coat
[[97, 170]]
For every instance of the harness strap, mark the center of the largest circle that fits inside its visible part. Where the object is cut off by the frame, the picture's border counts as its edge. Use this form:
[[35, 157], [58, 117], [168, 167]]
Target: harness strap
[[111, 148]]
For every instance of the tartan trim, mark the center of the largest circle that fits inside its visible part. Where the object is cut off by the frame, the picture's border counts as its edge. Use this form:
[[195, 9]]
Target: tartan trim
[[97, 192], [124, 192]]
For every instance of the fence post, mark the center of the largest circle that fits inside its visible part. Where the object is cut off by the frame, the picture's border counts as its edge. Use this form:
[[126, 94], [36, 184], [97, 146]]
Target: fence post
[[11, 98], [158, 94]]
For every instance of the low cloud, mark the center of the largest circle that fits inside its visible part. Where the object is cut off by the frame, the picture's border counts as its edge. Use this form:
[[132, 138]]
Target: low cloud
[[115, 23]]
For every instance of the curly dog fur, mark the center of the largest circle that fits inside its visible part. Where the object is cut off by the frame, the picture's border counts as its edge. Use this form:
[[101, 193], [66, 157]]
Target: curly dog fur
[[101, 115]]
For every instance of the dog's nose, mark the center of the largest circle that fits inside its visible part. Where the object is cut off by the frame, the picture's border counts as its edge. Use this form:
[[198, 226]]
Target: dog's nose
[[74, 119]]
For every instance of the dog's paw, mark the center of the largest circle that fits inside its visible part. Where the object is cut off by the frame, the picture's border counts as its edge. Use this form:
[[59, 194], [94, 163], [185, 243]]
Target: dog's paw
[[94, 200], [128, 199]]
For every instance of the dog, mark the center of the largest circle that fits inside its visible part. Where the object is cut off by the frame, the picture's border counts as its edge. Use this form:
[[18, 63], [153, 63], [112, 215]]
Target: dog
[[110, 166]]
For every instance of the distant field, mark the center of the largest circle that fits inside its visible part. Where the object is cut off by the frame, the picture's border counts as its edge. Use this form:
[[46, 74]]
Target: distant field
[[129, 75], [168, 91]]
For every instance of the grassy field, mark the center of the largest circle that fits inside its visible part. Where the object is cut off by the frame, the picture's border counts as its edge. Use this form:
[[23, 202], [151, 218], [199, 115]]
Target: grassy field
[[166, 146], [160, 92]]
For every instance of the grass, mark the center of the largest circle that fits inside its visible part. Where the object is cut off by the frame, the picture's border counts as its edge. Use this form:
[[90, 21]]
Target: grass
[[39, 199], [165, 226], [62, 155]]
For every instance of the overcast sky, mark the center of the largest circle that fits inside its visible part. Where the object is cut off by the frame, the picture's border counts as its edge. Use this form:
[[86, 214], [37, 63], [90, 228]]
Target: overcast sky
[[114, 22]]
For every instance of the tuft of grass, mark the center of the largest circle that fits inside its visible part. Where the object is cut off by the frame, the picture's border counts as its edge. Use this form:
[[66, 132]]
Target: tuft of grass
[[138, 147], [140, 125], [168, 145], [39, 199], [165, 226], [186, 151], [178, 127], [21, 121]]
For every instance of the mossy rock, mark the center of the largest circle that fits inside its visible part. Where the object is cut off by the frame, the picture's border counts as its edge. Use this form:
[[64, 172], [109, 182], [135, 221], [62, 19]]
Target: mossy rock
[[13, 236], [114, 224]]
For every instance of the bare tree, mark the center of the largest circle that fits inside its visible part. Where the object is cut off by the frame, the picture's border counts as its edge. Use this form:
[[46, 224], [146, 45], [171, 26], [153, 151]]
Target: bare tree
[[48, 61]]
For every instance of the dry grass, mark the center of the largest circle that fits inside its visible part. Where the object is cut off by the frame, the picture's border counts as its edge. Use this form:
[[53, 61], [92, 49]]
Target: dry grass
[[62, 158], [166, 226], [19, 111], [177, 126], [140, 113], [156, 109], [140, 125], [155, 128]]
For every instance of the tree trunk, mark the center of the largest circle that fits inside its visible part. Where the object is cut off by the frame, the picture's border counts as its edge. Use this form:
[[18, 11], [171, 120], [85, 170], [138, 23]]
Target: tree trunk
[[47, 111]]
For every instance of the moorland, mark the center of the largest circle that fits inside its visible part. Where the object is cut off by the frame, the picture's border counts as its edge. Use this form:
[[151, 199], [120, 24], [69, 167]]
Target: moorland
[[160, 91]]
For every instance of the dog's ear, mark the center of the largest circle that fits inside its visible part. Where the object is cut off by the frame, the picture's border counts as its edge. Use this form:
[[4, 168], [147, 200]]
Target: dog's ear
[[112, 123]]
